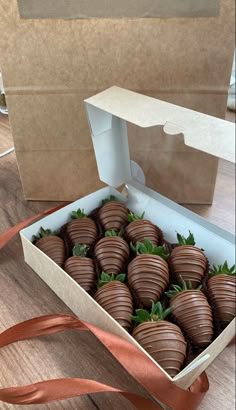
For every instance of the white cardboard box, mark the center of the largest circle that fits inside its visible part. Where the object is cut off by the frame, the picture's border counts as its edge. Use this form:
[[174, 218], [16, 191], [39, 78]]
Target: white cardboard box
[[108, 113]]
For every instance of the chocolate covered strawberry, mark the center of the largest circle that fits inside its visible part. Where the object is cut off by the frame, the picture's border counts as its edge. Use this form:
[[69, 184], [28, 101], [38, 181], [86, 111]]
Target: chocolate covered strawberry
[[113, 214], [222, 292], [82, 229], [81, 268], [164, 341], [112, 252], [192, 312], [140, 229], [187, 261], [114, 296], [148, 273], [51, 244]]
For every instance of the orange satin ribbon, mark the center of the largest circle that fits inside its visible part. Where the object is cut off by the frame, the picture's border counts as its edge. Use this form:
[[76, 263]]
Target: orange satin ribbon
[[130, 357], [8, 235]]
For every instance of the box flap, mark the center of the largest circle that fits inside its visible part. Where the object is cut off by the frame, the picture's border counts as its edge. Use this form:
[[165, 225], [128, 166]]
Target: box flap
[[109, 110]]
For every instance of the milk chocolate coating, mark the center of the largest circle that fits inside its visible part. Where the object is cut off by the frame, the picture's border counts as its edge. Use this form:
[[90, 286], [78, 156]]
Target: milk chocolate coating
[[148, 276], [112, 253], [165, 342], [188, 262], [82, 270], [52, 246], [82, 231], [141, 230], [113, 215], [193, 314], [116, 299], [222, 292]]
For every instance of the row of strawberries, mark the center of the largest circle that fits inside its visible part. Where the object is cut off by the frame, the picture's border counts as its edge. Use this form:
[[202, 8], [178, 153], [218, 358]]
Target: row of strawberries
[[148, 275]]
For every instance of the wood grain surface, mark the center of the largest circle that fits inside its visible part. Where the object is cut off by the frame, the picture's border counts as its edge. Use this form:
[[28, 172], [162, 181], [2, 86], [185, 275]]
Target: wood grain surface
[[24, 295]]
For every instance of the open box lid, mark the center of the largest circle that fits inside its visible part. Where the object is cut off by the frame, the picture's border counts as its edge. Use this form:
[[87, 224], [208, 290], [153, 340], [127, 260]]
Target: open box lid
[[109, 111]]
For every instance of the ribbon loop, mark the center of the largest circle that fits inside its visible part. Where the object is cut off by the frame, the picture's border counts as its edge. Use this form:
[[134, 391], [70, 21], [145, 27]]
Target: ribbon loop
[[134, 361], [8, 235], [61, 389], [40, 326]]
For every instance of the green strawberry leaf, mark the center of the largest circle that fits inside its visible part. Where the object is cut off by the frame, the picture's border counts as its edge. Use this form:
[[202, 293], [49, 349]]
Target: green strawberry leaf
[[121, 277], [222, 269], [135, 217], [105, 278], [180, 239], [42, 233], [141, 248], [111, 198], [113, 233], [178, 289], [186, 241], [157, 313], [133, 247], [167, 312], [147, 247], [143, 315], [136, 319], [78, 214], [80, 250]]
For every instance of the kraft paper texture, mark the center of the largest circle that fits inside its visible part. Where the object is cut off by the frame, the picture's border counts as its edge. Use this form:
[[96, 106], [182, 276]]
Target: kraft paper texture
[[50, 66], [115, 9]]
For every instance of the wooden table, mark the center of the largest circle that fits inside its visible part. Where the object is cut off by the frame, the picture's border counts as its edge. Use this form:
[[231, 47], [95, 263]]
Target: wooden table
[[24, 295]]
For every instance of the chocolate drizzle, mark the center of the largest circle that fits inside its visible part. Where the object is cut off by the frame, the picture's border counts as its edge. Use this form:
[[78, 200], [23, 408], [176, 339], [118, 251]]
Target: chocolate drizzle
[[112, 253], [165, 342], [141, 230], [188, 262], [113, 216], [148, 276], [116, 299], [53, 246], [82, 231], [82, 270], [222, 292], [193, 314]]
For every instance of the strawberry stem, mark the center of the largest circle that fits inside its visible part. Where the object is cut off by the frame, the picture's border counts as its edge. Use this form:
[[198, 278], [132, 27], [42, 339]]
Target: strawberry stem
[[80, 250], [186, 241], [42, 233], [113, 233], [222, 269], [178, 289], [147, 247], [111, 198], [135, 217], [157, 313], [105, 278], [78, 214]]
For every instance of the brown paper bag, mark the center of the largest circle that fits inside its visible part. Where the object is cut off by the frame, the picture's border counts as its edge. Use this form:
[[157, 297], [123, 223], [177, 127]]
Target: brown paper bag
[[51, 65]]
